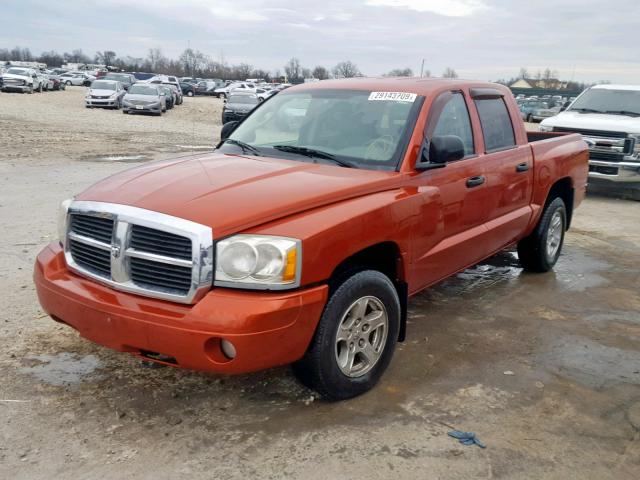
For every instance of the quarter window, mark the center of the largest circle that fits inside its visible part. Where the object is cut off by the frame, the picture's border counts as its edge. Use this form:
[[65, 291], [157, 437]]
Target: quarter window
[[454, 120], [496, 124]]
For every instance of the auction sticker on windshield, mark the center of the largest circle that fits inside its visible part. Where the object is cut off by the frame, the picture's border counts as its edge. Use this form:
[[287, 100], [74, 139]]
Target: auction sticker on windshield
[[393, 96]]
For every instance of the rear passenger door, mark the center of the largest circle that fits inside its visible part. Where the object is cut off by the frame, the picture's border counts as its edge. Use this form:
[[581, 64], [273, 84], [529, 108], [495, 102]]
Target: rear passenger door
[[508, 168]]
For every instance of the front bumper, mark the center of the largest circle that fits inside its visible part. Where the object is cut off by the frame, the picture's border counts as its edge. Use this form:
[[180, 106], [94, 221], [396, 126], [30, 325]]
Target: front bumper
[[267, 329], [15, 88], [142, 108], [99, 102], [619, 172]]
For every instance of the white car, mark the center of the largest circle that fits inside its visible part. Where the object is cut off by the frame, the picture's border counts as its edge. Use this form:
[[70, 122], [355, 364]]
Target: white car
[[169, 80], [76, 78], [263, 94], [223, 92], [22, 79]]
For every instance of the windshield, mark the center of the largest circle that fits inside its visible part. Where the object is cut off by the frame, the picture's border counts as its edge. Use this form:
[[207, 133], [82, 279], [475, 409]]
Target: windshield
[[244, 99], [101, 85], [143, 90], [353, 126], [610, 101], [18, 71]]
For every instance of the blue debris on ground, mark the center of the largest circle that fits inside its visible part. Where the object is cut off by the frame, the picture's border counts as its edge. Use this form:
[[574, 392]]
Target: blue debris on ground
[[466, 438]]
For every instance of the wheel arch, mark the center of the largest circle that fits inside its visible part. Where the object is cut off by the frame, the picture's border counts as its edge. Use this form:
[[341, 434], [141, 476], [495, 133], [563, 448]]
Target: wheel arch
[[384, 257], [563, 189]]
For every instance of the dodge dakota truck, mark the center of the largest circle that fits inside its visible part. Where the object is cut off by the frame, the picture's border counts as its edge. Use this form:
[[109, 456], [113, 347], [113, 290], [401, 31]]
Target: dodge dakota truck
[[608, 117], [300, 239]]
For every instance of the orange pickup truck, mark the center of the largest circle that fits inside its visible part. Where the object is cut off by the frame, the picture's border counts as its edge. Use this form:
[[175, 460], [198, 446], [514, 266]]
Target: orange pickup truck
[[302, 236]]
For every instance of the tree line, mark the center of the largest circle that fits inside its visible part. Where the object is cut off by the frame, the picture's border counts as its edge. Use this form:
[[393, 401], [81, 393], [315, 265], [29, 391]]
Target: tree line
[[194, 63]]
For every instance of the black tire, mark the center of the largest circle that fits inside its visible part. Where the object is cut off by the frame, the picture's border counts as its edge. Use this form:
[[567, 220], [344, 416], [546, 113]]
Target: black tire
[[124, 111], [222, 96], [68, 83], [532, 251], [319, 368], [529, 120], [40, 88]]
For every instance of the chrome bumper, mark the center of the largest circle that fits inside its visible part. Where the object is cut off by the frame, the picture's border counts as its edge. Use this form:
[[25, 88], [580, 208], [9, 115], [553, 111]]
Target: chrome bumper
[[619, 172]]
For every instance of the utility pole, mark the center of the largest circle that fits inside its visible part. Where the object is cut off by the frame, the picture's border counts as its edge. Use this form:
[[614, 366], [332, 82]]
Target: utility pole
[[422, 68]]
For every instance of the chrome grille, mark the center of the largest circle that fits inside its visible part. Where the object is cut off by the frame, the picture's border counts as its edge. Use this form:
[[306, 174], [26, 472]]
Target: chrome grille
[[160, 275], [93, 259], [98, 228], [603, 145], [162, 243], [140, 251]]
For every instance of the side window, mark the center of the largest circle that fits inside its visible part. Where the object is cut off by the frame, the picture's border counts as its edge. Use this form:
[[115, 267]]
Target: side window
[[454, 120], [496, 124]]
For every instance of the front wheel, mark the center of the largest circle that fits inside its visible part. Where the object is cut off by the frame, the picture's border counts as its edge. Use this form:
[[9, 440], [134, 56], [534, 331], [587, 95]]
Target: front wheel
[[539, 251], [68, 83], [355, 338], [189, 94]]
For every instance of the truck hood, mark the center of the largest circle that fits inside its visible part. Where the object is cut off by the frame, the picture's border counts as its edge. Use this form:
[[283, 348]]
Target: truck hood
[[231, 193], [594, 121]]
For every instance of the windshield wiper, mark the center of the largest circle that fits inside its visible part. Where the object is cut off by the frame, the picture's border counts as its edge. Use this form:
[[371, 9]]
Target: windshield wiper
[[312, 153], [623, 112], [244, 146], [587, 110]]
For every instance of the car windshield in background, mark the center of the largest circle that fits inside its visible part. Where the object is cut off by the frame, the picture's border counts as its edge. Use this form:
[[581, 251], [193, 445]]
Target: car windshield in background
[[604, 100], [18, 71], [143, 90], [244, 99], [101, 85], [358, 128]]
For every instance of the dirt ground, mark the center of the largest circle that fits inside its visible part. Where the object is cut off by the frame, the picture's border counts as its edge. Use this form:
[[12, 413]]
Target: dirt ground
[[544, 368]]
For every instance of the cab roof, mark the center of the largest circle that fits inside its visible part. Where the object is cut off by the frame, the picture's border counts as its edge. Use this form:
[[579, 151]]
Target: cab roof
[[417, 85]]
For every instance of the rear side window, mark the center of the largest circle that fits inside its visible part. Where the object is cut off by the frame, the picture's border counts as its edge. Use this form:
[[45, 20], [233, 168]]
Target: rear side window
[[496, 124], [454, 120]]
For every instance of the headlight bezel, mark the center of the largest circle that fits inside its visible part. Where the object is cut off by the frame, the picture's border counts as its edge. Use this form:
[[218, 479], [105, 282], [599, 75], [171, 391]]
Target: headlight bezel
[[285, 245], [636, 147], [63, 219]]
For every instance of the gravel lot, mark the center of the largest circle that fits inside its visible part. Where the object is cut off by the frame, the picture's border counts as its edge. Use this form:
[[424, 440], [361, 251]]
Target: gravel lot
[[544, 368]]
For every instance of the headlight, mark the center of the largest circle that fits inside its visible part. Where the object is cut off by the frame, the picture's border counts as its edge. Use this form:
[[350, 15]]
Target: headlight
[[258, 262], [545, 128], [63, 211], [636, 145]]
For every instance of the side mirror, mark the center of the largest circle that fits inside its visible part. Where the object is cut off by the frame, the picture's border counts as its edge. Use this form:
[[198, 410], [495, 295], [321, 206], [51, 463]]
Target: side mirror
[[227, 129], [441, 150], [565, 106]]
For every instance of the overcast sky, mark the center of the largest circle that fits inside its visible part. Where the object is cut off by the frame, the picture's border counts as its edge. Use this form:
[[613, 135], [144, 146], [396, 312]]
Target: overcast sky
[[587, 40]]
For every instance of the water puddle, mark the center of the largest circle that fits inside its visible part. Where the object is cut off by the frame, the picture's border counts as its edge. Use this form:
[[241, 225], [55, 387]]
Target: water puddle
[[61, 369]]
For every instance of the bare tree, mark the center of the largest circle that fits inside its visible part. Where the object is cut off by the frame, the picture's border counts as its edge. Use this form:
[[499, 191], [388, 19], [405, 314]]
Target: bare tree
[[107, 57], [76, 56], [320, 73], [293, 70], [400, 72], [524, 73], [449, 73], [191, 60], [346, 69], [156, 59]]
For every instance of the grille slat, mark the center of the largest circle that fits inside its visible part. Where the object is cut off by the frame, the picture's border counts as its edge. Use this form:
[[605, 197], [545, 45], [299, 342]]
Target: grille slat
[[161, 243], [591, 133], [96, 260], [98, 228], [148, 273]]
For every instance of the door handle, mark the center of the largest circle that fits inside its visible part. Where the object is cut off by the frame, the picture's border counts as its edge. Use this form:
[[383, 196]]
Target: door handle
[[522, 167], [475, 181]]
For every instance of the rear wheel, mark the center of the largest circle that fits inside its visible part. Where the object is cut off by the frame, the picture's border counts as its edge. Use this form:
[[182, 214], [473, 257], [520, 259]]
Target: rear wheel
[[355, 338], [539, 251], [189, 94], [68, 83]]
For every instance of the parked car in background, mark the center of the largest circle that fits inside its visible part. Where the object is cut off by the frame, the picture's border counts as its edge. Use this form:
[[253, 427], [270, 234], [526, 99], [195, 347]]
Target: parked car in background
[[188, 89], [548, 109], [58, 84], [126, 79], [608, 117], [105, 93], [143, 75], [263, 94], [238, 105], [223, 92], [144, 98], [24, 80], [76, 78], [171, 97], [527, 108], [169, 80]]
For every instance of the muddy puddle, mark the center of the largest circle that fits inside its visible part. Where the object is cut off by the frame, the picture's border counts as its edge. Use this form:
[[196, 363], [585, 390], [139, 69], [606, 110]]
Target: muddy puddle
[[62, 369]]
